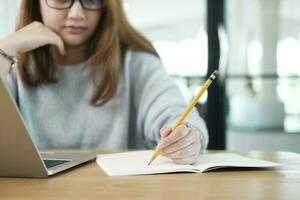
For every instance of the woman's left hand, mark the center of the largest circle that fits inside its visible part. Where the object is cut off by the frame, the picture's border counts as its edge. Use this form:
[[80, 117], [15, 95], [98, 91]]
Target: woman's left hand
[[183, 145]]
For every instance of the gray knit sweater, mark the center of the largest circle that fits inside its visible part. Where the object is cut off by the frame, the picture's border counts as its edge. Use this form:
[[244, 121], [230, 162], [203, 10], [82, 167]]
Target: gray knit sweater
[[59, 115]]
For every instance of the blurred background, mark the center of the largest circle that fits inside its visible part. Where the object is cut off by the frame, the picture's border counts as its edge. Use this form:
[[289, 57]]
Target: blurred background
[[255, 103]]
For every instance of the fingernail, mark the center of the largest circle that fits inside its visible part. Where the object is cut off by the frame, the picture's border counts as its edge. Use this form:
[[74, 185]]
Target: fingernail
[[165, 128], [187, 125]]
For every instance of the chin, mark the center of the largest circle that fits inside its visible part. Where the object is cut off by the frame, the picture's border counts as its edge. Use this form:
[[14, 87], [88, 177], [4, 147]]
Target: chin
[[74, 41], [73, 44]]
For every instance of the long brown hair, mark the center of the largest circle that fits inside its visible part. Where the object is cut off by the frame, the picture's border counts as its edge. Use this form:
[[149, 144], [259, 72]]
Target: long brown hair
[[106, 49]]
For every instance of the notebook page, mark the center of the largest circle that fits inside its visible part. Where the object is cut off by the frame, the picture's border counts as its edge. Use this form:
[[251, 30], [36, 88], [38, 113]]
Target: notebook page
[[136, 163], [208, 162]]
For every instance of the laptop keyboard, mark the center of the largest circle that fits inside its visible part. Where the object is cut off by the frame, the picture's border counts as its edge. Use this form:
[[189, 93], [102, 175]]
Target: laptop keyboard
[[53, 163]]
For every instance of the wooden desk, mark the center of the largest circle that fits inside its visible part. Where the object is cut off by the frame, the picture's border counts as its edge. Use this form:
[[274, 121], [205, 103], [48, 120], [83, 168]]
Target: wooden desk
[[90, 182]]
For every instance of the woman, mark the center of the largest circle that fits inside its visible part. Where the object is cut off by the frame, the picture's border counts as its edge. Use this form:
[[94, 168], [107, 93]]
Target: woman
[[86, 79]]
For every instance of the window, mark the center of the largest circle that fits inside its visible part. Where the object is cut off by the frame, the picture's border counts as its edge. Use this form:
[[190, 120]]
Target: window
[[264, 63], [177, 29]]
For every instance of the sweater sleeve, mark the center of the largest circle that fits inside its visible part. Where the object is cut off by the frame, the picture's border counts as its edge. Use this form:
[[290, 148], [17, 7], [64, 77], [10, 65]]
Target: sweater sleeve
[[158, 100]]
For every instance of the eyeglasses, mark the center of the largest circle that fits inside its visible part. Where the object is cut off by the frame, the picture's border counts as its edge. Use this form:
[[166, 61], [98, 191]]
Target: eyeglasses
[[66, 4]]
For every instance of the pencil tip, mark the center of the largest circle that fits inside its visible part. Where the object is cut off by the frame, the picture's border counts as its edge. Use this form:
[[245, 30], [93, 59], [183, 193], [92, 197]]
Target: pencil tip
[[149, 162]]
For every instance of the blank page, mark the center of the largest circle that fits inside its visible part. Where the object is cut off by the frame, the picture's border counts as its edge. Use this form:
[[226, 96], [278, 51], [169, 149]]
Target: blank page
[[136, 163], [208, 162]]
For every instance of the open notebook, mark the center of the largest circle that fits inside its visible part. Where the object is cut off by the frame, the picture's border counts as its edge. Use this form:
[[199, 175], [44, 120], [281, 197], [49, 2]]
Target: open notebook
[[135, 163]]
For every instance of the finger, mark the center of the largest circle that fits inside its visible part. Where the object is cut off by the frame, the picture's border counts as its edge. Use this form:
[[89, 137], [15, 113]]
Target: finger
[[186, 152], [60, 45], [180, 132], [56, 40], [186, 161], [180, 144], [165, 131]]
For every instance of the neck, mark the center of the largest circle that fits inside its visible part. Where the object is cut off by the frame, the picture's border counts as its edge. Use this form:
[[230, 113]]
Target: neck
[[74, 55]]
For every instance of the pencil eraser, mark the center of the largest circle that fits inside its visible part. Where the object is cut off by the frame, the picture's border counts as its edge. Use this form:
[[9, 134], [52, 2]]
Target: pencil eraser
[[216, 72]]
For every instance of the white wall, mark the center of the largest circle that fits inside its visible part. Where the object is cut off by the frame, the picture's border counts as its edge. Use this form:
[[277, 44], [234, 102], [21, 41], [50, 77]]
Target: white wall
[[167, 19], [8, 16]]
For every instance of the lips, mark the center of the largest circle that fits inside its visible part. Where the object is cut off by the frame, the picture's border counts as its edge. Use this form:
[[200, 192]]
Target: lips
[[75, 29]]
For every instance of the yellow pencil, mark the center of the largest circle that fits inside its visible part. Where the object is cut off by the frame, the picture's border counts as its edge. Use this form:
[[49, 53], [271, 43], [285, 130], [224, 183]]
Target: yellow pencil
[[188, 109]]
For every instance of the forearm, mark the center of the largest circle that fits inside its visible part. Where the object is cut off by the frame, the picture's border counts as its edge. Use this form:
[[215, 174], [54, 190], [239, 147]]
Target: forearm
[[37, 33]]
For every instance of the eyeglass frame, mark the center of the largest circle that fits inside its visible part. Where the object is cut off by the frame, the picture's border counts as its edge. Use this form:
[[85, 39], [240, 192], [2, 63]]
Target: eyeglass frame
[[72, 3]]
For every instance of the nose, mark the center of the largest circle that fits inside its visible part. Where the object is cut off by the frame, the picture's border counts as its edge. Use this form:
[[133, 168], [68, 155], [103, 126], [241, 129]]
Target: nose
[[76, 12]]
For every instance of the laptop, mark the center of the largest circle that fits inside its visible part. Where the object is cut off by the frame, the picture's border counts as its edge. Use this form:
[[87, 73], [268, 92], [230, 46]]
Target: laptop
[[19, 156]]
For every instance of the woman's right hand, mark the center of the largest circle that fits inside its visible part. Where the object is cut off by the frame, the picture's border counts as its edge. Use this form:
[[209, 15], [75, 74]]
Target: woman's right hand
[[31, 37]]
